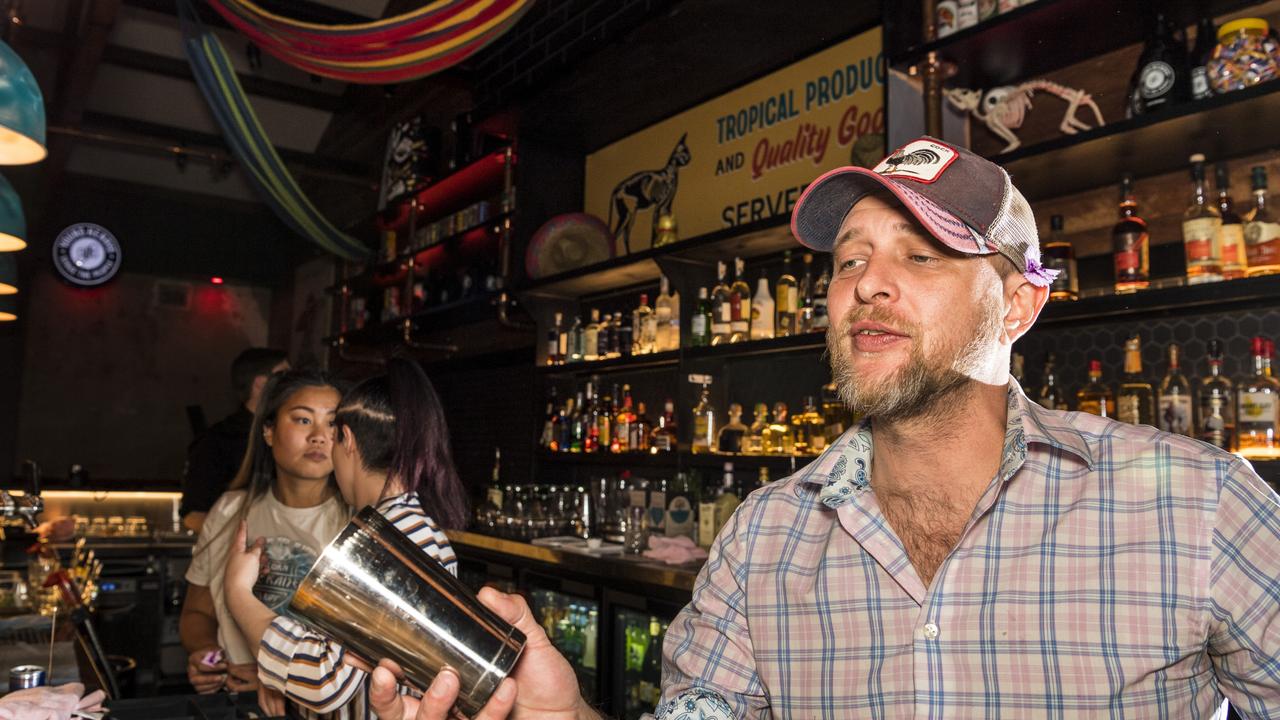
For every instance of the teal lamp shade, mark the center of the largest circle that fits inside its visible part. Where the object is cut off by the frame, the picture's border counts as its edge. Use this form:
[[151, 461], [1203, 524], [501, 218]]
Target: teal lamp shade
[[13, 224], [21, 112], [8, 308], [8, 274]]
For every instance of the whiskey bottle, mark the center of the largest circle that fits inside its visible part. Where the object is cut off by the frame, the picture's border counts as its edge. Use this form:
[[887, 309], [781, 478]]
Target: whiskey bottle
[[730, 437], [1095, 397], [804, 318], [700, 324], [1060, 256], [704, 423], [548, 439], [1200, 225], [779, 438], [616, 332], [812, 427], [739, 306], [604, 422], [787, 300], [1257, 408], [1135, 401], [1217, 404], [1175, 404], [762, 311], [836, 418], [663, 437], [820, 318], [640, 431], [604, 338], [753, 443], [1051, 396], [1261, 231], [591, 337], [721, 309], [622, 423], [1130, 243], [555, 342], [1231, 231]]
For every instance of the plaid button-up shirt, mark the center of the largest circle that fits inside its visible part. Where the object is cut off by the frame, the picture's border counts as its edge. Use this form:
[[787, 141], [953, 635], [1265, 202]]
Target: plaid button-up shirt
[[1108, 570]]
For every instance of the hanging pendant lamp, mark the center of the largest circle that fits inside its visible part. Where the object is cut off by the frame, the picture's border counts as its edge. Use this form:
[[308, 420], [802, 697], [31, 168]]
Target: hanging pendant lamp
[[8, 274], [8, 308], [13, 223], [22, 129]]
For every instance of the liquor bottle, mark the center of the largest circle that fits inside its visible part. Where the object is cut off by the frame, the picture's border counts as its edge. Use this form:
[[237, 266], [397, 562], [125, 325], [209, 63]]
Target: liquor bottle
[[787, 301], [721, 309], [555, 342], [622, 423], [1051, 396], [646, 327], [641, 428], [1261, 231], [804, 317], [809, 429], [700, 323], [1135, 400], [650, 685], [663, 437], [548, 439], [604, 333], [763, 478], [681, 505], [564, 428], [1257, 407], [578, 442], [704, 423], [1231, 231], [493, 494], [728, 499], [1095, 397], [730, 437], [1162, 78], [1206, 41], [753, 443], [836, 418], [1200, 225], [1130, 243], [1174, 397], [820, 319], [1061, 256], [604, 422], [591, 337], [1217, 405], [762, 311], [626, 334], [591, 420], [739, 306], [575, 340], [662, 318], [673, 322], [779, 438], [707, 517]]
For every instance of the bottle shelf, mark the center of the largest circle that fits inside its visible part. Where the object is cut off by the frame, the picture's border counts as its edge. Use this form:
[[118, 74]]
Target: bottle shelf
[[1040, 37], [391, 273], [477, 181], [1149, 144], [807, 342], [1210, 297], [452, 314], [679, 459], [667, 358]]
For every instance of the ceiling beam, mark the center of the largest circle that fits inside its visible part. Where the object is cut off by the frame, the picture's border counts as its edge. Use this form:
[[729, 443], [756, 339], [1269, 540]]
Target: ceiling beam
[[180, 69]]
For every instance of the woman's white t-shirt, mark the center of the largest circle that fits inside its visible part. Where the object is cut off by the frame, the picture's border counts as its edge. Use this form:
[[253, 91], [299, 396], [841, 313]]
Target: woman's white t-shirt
[[295, 538]]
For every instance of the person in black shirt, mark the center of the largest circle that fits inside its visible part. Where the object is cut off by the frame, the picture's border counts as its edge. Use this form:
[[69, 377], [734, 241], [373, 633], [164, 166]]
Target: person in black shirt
[[214, 456]]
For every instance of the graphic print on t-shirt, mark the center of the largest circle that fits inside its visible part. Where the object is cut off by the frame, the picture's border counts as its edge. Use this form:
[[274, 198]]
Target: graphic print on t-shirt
[[287, 562]]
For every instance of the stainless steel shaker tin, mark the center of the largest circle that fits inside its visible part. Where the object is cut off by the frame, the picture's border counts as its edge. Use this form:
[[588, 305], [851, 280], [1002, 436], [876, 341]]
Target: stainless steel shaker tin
[[22, 677]]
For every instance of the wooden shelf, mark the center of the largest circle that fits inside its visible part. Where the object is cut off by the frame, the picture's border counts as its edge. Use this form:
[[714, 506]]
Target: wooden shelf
[[1147, 145], [681, 459], [668, 358], [1210, 297], [475, 182], [1044, 36], [671, 358]]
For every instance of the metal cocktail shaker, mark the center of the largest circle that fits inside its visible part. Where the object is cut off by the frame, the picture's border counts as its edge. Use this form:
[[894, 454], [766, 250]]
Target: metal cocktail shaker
[[380, 596]]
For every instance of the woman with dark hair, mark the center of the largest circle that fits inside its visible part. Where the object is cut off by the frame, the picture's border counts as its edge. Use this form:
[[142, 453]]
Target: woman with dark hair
[[285, 493], [392, 453]]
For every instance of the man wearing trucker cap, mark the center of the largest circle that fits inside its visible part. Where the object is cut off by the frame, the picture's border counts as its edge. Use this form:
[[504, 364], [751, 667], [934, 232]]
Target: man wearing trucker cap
[[964, 553]]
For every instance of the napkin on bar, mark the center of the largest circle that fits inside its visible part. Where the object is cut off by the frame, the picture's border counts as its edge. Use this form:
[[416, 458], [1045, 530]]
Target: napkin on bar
[[671, 550], [49, 703]]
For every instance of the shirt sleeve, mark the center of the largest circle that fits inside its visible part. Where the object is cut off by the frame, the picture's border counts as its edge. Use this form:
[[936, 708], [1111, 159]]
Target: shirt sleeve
[[306, 666], [1244, 633], [209, 552], [708, 665]]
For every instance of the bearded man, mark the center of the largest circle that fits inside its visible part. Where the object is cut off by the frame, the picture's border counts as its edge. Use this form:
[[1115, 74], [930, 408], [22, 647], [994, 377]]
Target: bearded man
[[964, 552]]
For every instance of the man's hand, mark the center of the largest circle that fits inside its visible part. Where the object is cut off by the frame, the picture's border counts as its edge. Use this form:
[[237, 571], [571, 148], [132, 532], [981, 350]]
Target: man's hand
[[243, 677], [271, 701], [206, 677], [542, 685]]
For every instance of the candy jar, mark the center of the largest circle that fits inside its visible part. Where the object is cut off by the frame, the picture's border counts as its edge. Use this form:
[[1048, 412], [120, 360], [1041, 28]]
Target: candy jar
[[1246, 55]]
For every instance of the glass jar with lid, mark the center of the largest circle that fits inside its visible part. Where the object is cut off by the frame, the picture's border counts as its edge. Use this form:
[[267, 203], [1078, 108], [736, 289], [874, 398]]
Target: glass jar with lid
[[1245, 56]]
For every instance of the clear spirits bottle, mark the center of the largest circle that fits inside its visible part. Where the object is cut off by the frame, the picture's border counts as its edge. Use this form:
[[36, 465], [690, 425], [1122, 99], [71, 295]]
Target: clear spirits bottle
[[1135, 401], [721, 309], [1130, 243], [779, 438], [646, 328], [762, 311], [739, 305], [1095, 397], [662, 318], [591, 337], [1217, 403], [1175, 405], [575, 340], [1200, 231], [1231, 231], [1261, 231], [704, 423], [753, 443], [1257, 406], [787, 300], [700, 324]]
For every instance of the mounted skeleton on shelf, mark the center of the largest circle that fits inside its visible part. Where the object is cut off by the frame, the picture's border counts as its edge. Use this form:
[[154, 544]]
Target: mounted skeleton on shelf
[[1004, 108]]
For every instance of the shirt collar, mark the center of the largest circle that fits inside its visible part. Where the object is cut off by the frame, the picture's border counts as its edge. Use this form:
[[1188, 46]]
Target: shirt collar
[[844, 470]]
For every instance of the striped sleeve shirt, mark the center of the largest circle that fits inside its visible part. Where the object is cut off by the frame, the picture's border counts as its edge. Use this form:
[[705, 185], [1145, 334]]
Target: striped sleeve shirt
[[308, 667], [1107, 571]]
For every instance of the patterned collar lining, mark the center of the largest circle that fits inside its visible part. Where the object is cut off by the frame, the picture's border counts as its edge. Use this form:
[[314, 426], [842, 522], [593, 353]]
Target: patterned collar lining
[[844, 470]]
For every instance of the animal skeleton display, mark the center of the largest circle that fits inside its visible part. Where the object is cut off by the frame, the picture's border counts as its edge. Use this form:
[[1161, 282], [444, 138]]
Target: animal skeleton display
[[1004, 108]]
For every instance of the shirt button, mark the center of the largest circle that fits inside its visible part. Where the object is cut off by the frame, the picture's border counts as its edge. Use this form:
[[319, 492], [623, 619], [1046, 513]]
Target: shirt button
[[931, 631]]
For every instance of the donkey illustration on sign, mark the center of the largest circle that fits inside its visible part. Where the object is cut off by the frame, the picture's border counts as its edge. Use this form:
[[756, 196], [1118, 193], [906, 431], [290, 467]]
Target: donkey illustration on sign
[[646, 189]]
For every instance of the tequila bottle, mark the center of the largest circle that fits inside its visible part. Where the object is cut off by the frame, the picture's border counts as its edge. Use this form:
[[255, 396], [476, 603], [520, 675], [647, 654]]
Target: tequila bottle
[[1135, 401], [1217, 404], [1095, 397], [739, 305], [787, 301], [1130, 243], [704, 423], [1261, 231], [1200, 231], [721, 309], [753, 443], [1257, 408], [1174, 399], [730, 437]]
